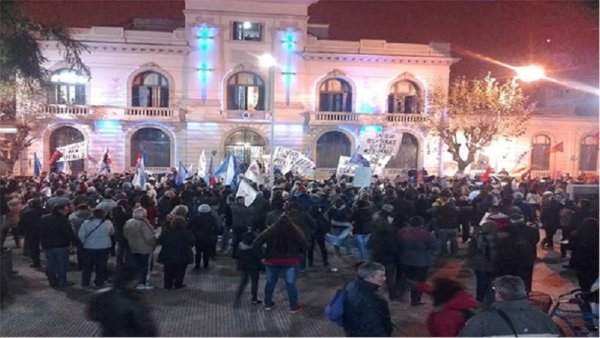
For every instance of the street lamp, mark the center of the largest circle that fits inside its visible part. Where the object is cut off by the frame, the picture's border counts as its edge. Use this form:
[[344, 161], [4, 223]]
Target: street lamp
[[268, 61], [530, 73]]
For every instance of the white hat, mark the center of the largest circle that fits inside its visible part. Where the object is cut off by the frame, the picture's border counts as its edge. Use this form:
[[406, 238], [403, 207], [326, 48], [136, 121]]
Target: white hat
[[204, 208]]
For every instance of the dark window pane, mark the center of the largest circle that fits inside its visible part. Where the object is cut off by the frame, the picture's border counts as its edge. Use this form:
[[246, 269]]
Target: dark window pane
[[539, 159], [156, 146], [150, 89], [330, 147], [245, 91], [588, 157]]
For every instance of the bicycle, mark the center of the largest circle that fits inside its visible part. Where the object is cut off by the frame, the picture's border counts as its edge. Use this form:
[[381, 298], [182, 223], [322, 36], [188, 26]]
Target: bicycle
[[566, 312]]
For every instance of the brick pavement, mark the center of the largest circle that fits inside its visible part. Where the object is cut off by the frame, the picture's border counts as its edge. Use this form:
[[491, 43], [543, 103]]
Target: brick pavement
[[205, 308]]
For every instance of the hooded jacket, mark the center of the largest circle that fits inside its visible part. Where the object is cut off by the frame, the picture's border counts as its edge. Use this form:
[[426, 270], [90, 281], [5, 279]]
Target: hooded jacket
[[139, 235], [448, 320], [366, 313]]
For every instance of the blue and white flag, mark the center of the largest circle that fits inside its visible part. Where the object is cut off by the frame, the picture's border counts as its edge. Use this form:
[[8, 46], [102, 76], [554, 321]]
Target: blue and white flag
[[37, 166], [202, 165], [182, 174], [139, 179], [229, 171], [357, 158]]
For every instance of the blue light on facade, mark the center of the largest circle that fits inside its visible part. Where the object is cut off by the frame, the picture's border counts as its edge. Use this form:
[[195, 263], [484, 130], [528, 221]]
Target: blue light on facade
[[107, 126], [205, 45], [289, 43], [371, 129]]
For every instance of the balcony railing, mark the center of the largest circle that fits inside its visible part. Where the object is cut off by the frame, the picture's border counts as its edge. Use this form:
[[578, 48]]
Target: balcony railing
[[245, 115], [362, 119], [405, 118], [66, 109], [149, 112]]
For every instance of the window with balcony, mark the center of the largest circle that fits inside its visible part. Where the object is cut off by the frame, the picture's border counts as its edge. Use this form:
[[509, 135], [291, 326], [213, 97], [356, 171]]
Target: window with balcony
[[330, 146], [408, 154], [65, 136], [154, 144], [335, 95], [540, 156], [404, 98], [68, 87], [248, 31], [245, 91], [588, 153], [150, 89]]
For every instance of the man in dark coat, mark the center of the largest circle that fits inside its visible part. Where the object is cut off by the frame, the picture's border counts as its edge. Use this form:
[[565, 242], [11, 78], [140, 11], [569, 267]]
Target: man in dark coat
[[31, 216], [56, 236], [241, 220], [526, 239], [366, 313]]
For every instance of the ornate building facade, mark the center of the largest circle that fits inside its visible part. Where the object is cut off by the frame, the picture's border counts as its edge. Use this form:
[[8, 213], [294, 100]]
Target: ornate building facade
[[200, 87]]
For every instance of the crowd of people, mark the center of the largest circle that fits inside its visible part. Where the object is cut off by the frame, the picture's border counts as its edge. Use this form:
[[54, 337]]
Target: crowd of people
[[397, 225]]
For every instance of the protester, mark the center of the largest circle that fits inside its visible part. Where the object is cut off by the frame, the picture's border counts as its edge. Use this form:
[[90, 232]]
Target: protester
[[366, 313], [248, 262], [205, 229], [511, 315], [140, 237], [31, 217], [176, 251], [95, 235]]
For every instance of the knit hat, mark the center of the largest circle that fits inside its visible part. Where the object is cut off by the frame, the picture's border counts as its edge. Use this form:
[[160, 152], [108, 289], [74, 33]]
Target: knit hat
[[204, 209], [387, 208]]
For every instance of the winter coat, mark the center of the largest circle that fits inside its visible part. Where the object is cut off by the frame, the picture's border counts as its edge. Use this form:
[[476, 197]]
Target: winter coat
[[30, 221], [291, 251], [550, 215], [448, 320], [339, 214], [241, 216], [107, 205], [56, 232], [139, 235], [120, 216], [176, 246], [248, 259], [122, 313], [98, 238], [482, 251], [78, 217], [584, 242], [403, 209], [383, 242], [416, 246], [448, 216], [323, 226], [305, 222], [361, 220], [525, 318], [204, 227], [273, 216], [366, 313]]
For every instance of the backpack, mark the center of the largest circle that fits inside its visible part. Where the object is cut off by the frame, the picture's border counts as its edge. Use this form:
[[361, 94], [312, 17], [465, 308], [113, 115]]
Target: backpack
[[334, 311]]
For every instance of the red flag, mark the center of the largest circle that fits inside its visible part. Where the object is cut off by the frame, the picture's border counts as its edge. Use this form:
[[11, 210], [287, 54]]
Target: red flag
[[486, 175], [55, 156], [557, 148]]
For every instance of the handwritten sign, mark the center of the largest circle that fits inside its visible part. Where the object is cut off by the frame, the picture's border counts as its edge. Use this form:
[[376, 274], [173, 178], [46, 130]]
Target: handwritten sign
[[72, 152], [386, 142], [345, 167], [287, 160]]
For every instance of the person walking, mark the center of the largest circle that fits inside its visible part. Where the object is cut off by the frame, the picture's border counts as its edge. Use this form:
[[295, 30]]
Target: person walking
[[56, 236], [511, 315], [361, 220], [176, 251], [366, 313], [284, 242], [95, 235], [140, 236], [248, 262], [31, 217]]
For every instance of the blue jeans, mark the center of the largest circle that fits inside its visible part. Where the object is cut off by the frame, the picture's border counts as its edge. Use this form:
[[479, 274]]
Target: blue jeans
[[143, 263], [337, 230], [57, 263], [361, 243], [273, 272], [446, 235]]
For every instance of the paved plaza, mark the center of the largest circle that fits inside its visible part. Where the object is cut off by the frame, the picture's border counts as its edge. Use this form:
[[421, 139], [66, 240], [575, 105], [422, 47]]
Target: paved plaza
[[205, 307]]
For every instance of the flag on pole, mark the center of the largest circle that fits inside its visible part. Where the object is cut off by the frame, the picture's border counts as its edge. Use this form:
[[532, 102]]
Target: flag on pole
[[66, 168], [210, 178], [52, 162], [92, 159], [229, 170], [486, 175], [557, 148], [202, 165], [139, 179], [37, 166], [357, 158], [182, 174], [246, 190], [105, 163]]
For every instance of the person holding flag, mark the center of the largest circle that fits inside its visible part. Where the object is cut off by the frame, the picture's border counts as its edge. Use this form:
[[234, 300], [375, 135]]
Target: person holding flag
[[230, 171], [105, 163]]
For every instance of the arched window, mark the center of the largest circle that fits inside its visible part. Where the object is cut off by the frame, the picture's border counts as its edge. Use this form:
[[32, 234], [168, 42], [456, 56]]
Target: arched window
[[65, 136], [408, 154], [404, 97], [335, 95], [68, 87], [246, 145], [540, 158], [330, 146], [154, 144], [245, 91], [150, 89], [588, 153]]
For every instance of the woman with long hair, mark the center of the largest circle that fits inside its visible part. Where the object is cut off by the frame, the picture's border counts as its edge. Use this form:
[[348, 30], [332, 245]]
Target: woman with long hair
[[284, 243]]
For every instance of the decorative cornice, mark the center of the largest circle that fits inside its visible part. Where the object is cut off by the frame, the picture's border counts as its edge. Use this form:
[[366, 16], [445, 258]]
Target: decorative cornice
[[128, 48], [415, 60]]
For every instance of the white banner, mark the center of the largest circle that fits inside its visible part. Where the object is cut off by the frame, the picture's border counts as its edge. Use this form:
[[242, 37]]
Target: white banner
[[287, 159], [345, 167], [72, 152], [362, 177], [378, 162], [246, 190], [386, 142]]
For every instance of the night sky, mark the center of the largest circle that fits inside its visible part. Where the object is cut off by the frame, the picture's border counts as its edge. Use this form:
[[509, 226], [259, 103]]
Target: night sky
[[561, 35]]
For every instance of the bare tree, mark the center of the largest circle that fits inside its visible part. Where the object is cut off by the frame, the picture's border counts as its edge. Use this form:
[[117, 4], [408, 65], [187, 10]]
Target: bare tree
[[474, 112]]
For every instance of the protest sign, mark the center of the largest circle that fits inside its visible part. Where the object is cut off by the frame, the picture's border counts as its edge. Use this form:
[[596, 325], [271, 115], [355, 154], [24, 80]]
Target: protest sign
[[362, 177], [291, 160], [378, 162], [345, 167], [72, 152], [386, 142]]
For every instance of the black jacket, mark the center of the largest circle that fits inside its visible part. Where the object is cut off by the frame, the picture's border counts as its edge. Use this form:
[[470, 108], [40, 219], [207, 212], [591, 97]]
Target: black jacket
[[121, 313], [31, 220], [448, 216], [204, 227], [248, 259], [176, 246], [366, 313], [361, 219], [56, 232]]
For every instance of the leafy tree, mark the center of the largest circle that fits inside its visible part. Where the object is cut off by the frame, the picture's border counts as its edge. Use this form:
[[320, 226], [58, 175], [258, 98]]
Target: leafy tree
[[22, 73], [474, 112]]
